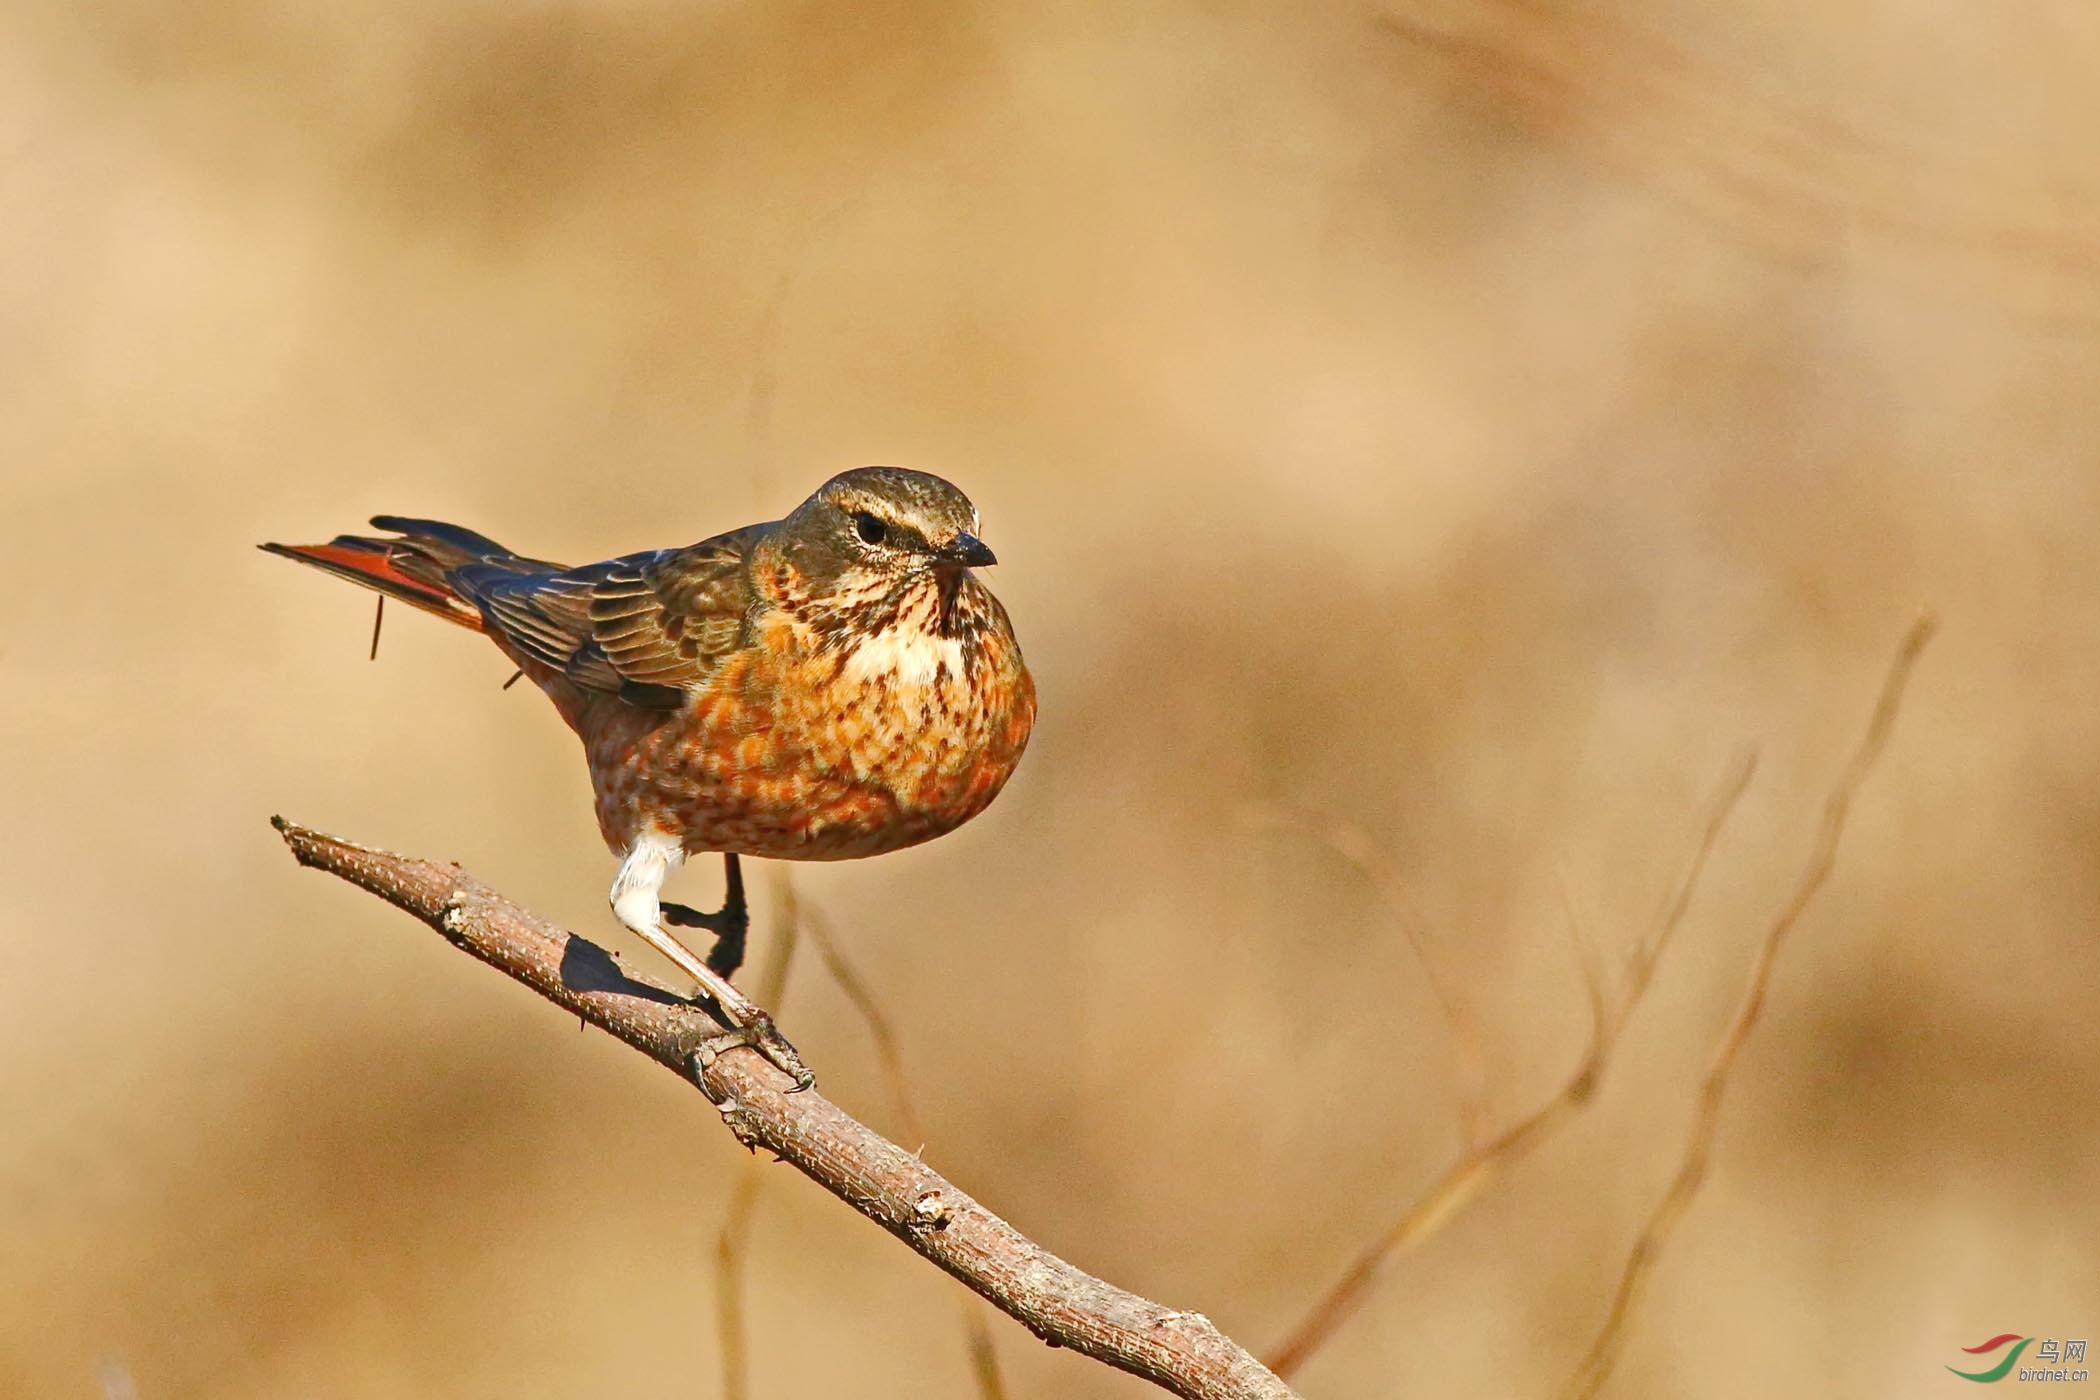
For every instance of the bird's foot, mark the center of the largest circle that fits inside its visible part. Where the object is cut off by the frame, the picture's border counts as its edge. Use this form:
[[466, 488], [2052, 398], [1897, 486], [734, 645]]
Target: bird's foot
[[756, 1030]]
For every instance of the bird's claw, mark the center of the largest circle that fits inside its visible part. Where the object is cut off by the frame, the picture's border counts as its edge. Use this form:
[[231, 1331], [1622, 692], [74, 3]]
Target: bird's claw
[[757, 1032]]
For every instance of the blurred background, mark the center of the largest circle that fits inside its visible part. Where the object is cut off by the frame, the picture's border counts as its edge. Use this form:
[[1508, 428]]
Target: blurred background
[[1474, 421]]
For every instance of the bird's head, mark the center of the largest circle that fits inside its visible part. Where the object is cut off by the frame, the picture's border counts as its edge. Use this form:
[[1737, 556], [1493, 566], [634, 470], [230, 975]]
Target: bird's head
[[892, 520], [890, 544]]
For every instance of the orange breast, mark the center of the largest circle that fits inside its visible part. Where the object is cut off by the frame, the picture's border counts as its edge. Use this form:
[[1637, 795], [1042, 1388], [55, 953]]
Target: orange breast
[[801, 752]]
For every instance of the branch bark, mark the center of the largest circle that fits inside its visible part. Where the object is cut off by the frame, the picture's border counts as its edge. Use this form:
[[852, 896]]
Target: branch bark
[[1181, 1352]]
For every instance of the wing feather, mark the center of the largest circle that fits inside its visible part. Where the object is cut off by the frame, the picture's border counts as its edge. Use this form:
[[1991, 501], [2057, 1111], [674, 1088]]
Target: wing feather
[[646, 627]]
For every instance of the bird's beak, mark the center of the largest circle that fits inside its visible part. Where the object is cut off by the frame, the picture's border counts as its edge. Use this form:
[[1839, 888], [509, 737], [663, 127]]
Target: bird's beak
[[969, 551]]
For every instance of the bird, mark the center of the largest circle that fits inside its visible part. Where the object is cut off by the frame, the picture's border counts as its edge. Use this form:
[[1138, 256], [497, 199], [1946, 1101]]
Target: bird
[[835, 684]]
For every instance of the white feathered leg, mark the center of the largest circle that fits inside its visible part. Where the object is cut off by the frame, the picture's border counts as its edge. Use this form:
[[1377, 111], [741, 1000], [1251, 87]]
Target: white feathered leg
[[637, 904]]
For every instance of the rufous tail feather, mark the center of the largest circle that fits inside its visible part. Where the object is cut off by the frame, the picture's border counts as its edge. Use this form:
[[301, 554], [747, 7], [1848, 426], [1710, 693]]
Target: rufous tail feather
[[377, 565]]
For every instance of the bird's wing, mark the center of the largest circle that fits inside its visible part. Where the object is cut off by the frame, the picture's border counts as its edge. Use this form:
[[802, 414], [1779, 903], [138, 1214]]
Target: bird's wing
[[645, 627]]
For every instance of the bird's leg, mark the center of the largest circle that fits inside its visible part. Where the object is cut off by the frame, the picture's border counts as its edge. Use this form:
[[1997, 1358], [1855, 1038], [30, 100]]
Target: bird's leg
[[635, 904], [728, 925]]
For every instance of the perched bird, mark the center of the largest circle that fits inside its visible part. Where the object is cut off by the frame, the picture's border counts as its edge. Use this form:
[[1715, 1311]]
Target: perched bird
[[831, 685]]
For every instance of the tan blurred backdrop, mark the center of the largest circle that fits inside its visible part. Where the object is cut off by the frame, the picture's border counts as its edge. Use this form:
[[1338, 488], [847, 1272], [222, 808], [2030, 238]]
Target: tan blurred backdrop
[[1474, 420]]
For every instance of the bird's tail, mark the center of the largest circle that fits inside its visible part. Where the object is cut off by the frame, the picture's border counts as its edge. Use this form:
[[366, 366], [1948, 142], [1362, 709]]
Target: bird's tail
[[420, 565]]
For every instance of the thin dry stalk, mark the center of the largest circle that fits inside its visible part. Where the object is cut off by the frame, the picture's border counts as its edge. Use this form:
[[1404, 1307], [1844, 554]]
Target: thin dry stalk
[[1355, 846], [730, 1311], [889, 1053], [1181, 1352], [1464, 1180], [733, 1244], [1596, 1367], [1647, 954]]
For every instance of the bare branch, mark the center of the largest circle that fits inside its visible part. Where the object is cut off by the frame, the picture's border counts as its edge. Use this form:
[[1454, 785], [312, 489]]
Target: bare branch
[[1477, 1166], [1596, 1367], [1181, 1352]]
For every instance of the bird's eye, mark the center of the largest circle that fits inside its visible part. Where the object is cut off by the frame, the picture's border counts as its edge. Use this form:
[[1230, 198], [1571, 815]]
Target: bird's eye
[[870, 529]]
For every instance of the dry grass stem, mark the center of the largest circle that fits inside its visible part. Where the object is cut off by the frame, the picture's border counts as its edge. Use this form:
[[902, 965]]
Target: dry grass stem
[[889, 1053], [733, 1244], [1463, 1181], [1596, 1367], [1355, 846]]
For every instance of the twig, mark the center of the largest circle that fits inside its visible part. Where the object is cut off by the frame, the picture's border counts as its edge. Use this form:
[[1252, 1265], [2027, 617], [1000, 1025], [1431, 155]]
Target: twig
[[1647, 955], [889, 1051], [1477, 1166], [984, 1357], [758, 403], [733, 1245], [1181, 1352], [1596, 1367], [730, 1246], [1353, 844]]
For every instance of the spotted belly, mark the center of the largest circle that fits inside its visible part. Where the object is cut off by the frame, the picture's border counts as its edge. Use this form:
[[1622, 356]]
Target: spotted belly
[[827, 758]]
